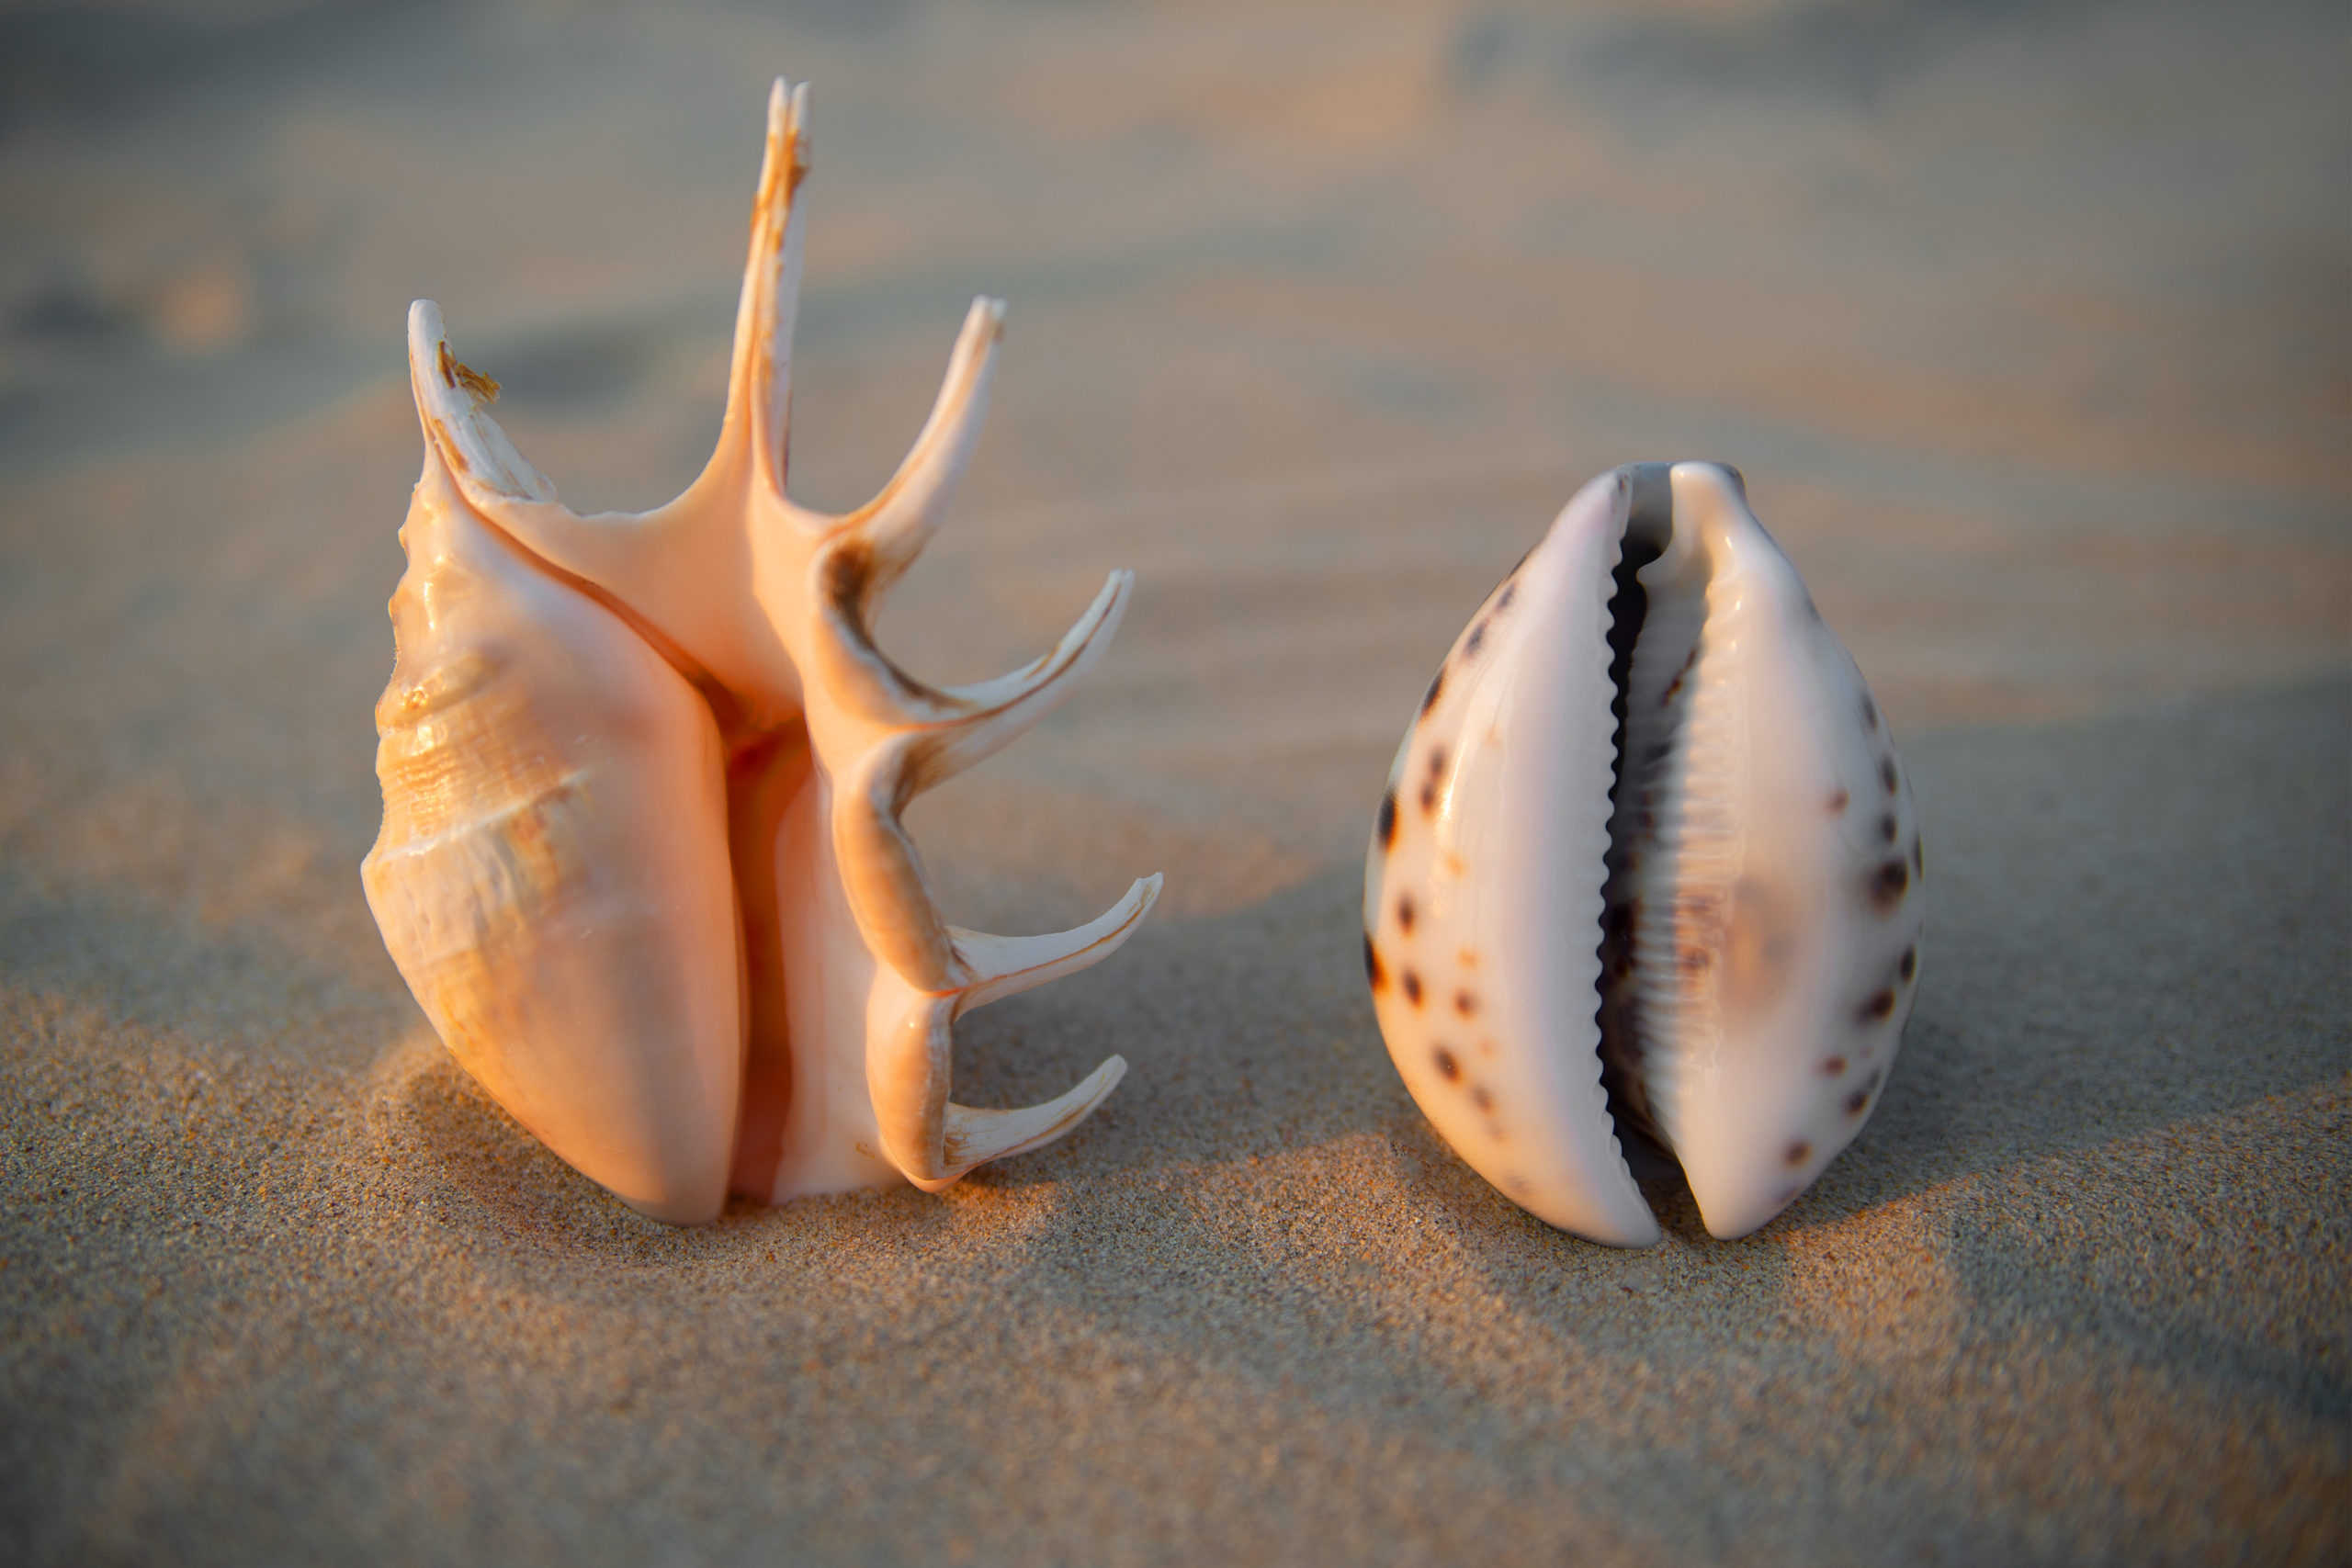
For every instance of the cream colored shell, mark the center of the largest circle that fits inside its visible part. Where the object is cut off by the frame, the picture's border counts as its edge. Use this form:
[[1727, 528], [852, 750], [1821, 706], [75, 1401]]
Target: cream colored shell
[[642, 860], [1729, 925]]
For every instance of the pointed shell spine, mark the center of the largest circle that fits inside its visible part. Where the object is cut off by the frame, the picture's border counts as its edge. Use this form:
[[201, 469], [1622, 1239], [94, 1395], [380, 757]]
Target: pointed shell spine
[[842, 982]]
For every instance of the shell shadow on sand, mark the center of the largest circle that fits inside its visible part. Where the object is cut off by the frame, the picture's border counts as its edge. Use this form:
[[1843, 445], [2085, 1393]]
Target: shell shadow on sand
[[1260, 1231], [2056, 852]]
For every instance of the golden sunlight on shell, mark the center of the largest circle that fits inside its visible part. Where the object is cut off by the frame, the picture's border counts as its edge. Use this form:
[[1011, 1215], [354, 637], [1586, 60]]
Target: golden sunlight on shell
[[642, 862], [1647, 861]]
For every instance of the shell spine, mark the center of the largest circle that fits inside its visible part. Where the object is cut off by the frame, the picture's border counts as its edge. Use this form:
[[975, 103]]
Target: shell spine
[[642, 860]]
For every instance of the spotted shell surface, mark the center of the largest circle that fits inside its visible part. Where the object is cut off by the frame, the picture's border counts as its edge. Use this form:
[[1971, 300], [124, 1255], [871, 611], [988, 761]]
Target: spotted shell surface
[[1714, 943]]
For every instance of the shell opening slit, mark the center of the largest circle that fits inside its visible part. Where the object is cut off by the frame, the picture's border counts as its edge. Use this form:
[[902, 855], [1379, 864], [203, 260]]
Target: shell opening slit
[[1642, 829], [642, 862]]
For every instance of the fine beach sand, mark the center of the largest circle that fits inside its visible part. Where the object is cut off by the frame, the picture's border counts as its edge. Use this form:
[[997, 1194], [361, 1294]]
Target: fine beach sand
[[2033, 335]]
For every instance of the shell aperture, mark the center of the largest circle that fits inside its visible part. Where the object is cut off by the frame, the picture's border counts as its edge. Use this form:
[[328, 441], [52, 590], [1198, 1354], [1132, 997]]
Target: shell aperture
[[1646, 860], [642, 862]]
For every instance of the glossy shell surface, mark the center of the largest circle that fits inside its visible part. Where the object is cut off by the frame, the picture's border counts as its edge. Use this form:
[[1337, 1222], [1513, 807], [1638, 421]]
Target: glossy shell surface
[[642, 862], [1725, 927]]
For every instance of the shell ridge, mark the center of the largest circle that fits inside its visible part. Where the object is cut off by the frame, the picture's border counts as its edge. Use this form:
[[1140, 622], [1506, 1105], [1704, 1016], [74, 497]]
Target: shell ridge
[[1592, 773], [1753, 947], [1689, 889], [520, 860], [1474, 937], [755, 611], [1584, 784]]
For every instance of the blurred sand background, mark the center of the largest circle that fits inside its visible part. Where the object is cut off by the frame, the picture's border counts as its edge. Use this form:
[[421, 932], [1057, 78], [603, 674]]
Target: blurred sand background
[[2031, 327]]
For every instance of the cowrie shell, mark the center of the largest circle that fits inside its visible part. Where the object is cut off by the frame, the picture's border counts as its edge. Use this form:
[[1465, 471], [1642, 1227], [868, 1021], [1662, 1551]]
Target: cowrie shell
[[1646, 853]]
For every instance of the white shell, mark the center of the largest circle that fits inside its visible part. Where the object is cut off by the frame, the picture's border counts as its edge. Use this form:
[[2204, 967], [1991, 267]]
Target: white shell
[[642, 860], [1762, 890]]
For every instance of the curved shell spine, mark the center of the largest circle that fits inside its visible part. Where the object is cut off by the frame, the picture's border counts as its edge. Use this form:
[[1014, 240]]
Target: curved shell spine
[[1647, 831], [768, 990]]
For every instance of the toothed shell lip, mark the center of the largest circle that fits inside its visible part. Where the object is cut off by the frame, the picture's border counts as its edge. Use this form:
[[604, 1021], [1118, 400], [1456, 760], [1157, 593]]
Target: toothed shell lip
[[1769, 957]]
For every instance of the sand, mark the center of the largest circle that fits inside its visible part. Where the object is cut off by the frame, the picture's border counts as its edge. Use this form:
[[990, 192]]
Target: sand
[[2033, 335]]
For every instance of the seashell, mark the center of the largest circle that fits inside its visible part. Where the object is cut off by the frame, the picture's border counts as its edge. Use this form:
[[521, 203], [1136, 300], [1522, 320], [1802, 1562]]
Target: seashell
[[642, 860], [1715, 941]]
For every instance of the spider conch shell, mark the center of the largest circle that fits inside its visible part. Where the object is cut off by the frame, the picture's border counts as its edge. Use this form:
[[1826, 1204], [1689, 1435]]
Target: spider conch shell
[[642, 860], [1725, 926]]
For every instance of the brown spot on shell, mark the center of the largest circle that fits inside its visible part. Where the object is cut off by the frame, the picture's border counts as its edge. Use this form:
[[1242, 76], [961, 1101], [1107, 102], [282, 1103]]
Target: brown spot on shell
[[1888, 828], [851, 575], [449, 448], [1481, 1098], [1839, 801], [1869, 711], [1798, 1152], [1412, 983], [1510, 589], [1437, 690], [1910, 965], [1405, 912], [1835, 1066], [1471, 644], [1429, 798], [1857, 1102], [1464, 1003], [480, 387], [1918, 857], [1386, 821], [1887, 884], [1374, 970], [1877, 1010], [1674, 687], [1887, 775], [1447, 1067], [1759, 940]]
